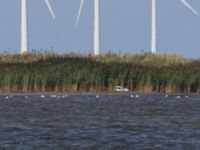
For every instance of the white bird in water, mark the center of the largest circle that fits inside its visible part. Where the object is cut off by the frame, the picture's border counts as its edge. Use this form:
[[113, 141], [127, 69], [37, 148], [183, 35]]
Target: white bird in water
[[42, 96], [97, 96], [186, 96], [26, 97], [7, 97], [53, 96], [166, 96], [64, 96], [178, 97], [137, 96], [132, 96]]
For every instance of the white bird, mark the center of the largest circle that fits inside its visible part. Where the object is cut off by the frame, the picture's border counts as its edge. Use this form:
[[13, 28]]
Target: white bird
[[166, 96], [7, 97], [137, 96], [53, 96], [96, 25], [64, 96], [24, 24], [97, 96], [178, 97], [154, 23], [132, 96], [186, 96], [42, 96], [26, 97]]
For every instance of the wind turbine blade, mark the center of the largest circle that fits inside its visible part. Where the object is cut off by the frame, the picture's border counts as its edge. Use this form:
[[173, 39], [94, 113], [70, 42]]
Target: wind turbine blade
[[50, 9], [79, 13], [189, 7]]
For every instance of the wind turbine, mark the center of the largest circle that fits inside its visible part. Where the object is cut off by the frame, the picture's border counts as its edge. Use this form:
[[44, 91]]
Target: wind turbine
[[96, 25], [154, 23], [24, 24]]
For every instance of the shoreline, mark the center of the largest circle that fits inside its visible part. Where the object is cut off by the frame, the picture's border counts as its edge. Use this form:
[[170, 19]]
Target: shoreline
[[94, 93]]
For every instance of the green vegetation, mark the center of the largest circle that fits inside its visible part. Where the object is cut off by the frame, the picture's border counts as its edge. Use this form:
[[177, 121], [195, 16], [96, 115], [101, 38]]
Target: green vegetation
[[50, 72]]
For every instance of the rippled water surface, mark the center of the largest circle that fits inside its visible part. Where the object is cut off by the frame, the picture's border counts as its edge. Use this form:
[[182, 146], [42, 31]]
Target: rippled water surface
[[110, 122]]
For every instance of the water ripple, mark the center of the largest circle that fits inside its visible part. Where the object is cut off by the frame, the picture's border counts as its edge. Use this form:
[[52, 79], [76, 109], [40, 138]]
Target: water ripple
[[108, 122]]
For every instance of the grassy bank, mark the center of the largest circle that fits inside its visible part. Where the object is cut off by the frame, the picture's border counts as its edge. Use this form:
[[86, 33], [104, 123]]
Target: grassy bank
[[74, 73]]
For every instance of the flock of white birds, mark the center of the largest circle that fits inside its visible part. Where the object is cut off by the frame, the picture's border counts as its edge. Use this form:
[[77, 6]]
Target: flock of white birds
[[63, 96]]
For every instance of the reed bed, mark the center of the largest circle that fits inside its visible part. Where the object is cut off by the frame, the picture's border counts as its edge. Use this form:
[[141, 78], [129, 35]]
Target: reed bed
[[49, 72]]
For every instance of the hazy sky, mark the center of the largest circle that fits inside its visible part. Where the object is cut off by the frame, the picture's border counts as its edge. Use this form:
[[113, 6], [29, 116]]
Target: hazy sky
[[125, 26]]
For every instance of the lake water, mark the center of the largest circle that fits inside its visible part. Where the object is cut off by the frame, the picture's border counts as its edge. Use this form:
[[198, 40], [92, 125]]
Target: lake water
[[110, 122]]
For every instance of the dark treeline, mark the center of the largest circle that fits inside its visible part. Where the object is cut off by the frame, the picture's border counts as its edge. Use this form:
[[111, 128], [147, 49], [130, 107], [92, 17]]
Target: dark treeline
[[73, 73]]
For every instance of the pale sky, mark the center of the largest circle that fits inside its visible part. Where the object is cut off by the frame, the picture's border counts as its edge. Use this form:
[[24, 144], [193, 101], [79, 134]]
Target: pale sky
[[125, 26]]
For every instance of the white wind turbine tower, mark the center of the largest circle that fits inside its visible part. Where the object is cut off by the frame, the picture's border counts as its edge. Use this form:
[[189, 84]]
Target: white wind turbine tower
[[24, 24], [154, 23], [96, 25]]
